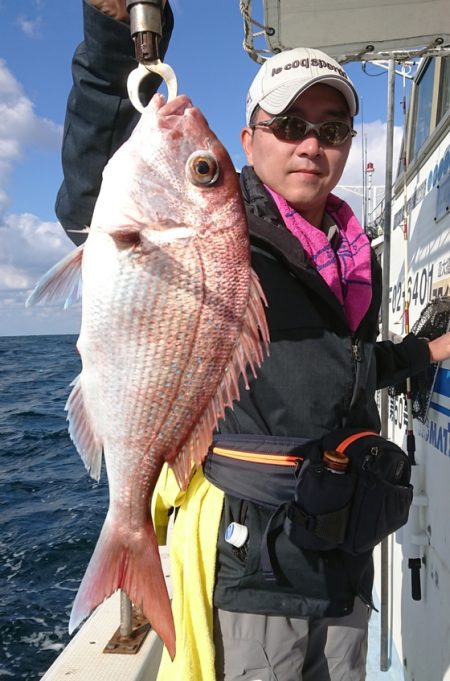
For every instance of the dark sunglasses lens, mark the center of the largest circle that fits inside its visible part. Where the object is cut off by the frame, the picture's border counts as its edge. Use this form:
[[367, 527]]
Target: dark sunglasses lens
[[294, 128], [289, 128], [334, 132]]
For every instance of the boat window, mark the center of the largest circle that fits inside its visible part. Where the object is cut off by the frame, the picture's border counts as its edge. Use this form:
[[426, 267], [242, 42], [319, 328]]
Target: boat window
[[423, 101], [444, 102]]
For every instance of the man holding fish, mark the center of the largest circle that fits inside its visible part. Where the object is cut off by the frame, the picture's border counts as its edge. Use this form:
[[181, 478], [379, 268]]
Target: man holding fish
[[322, 285]]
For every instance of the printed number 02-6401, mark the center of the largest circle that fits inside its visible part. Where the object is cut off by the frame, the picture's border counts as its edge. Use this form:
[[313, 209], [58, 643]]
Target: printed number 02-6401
[[420, 287]]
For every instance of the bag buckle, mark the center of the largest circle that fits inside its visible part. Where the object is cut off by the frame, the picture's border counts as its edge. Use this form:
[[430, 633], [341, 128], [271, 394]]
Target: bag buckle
[[299, 516]]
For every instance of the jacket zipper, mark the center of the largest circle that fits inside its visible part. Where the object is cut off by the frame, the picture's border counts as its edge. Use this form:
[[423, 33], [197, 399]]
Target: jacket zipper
[[355, 351]]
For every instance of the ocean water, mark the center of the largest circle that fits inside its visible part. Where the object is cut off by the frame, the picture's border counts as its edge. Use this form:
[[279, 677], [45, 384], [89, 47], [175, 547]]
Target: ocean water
[[51, 511]]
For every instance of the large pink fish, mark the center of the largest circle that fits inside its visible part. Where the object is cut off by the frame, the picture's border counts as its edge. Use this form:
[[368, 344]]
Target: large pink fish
[[172, 315]]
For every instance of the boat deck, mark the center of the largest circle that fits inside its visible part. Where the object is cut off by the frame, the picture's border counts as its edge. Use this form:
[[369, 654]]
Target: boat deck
[[395, 672], [83, 658]]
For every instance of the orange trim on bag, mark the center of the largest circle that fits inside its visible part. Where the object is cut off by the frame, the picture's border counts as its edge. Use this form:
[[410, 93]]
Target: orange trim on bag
[[352, 438], [255, 457], [283, 459]]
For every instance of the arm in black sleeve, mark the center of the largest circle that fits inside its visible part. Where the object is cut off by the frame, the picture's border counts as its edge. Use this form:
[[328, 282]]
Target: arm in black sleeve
[[398, 361], [99, 116]]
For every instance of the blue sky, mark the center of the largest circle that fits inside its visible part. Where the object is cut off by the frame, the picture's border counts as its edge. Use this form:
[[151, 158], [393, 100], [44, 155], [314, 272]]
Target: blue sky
[[37, 40]]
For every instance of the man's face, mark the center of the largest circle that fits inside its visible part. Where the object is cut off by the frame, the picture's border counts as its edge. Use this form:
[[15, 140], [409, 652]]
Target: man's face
[[303, 172]]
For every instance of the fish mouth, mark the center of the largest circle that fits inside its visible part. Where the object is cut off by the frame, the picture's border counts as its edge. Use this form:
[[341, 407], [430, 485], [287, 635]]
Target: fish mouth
[[170, 113], [175, 107]]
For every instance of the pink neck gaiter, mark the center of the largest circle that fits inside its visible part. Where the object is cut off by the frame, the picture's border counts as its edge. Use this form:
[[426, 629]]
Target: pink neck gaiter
[[347, 271]]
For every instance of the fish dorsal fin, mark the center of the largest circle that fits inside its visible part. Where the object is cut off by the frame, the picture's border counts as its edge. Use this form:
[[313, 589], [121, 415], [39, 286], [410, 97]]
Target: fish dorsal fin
[[248, 354], [61, 282], [81, 433]]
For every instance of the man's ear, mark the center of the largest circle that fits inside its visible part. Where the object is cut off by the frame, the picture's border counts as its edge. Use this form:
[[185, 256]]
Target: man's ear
[[247, 144]]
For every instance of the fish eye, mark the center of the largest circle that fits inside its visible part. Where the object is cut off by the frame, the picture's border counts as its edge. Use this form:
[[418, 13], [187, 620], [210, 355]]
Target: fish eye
[[202, 168]]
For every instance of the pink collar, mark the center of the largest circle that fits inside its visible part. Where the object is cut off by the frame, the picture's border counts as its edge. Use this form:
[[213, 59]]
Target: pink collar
[[347, 271]]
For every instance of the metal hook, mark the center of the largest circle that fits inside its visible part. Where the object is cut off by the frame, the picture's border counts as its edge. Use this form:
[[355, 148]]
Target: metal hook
[[136, 77]]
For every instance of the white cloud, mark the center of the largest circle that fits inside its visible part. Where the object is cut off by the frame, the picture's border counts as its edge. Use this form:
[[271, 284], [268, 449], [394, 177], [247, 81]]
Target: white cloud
[[9, 86], [374, 140], [18, 120], [11, 277], [31, 27], [20, 127], [28, 248], [17, 320]]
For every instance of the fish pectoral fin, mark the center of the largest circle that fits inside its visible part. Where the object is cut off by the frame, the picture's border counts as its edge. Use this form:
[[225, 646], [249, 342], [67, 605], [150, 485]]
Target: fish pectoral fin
[[61, 282], [248, 354], [88, 445]]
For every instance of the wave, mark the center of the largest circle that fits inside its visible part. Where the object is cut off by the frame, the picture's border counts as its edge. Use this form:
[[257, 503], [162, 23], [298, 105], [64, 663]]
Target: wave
[[50, 510]]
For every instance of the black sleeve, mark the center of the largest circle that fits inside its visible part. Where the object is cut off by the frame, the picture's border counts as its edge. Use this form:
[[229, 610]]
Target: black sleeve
[[99, 115], [398, 361]]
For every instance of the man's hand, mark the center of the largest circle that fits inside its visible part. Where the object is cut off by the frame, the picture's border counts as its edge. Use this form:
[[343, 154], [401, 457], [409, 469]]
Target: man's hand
[[440, 348], [113, 8]]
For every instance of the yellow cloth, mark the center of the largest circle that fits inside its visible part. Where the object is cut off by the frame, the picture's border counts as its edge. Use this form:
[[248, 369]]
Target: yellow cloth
[[193, 545]]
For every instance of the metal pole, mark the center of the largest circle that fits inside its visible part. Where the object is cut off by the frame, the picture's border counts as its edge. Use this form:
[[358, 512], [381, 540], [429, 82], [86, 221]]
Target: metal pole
[[384, 596], [125, 615], [363, 167]]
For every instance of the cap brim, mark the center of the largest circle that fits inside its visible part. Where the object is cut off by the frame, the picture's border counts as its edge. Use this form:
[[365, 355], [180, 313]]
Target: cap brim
[[277, 101]]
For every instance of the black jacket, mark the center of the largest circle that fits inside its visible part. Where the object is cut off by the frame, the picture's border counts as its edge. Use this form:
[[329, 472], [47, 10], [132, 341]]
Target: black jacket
[[318, 377], [99, 115]]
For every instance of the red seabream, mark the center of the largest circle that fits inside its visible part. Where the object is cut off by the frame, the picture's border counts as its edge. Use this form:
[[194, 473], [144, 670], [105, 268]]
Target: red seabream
[[172, 316]]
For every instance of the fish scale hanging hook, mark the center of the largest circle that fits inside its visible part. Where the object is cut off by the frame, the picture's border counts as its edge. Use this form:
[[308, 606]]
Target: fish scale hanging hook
[[146, 31], [138, 74]]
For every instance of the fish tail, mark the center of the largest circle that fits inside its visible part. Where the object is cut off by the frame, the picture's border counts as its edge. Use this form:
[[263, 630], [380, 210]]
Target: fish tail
[[130, 561]]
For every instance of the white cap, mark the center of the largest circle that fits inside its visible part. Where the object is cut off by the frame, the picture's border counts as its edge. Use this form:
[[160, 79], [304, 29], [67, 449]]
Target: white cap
[[236, 534], [283, 77]]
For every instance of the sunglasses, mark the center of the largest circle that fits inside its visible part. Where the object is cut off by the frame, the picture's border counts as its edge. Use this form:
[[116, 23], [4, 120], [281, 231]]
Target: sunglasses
[[294, 128]]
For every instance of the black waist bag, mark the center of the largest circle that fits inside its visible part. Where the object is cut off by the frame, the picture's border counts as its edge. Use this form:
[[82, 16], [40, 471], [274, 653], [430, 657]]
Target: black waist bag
[[317, 507], [351, 509]]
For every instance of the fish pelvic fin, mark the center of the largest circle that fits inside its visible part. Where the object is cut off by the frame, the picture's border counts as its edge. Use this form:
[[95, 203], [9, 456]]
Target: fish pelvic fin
[[128, 560], [248, 355], [88, 445], [61, 282]]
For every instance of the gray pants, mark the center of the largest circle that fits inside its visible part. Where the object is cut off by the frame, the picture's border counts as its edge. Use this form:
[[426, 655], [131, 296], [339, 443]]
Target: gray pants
[[268, 648]]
